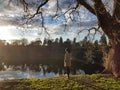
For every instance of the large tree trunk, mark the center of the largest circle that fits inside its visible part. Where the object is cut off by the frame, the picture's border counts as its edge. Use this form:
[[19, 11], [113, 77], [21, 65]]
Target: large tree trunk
[[111, 27], [110, 24], [112, 64]]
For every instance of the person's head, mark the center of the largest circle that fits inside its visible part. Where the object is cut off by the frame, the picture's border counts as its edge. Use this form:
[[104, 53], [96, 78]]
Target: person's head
[[68, 50]]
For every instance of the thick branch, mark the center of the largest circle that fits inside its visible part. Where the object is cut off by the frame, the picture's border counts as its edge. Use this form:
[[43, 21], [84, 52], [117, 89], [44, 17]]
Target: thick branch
[[25, 5], [41, 6], [104, 18], [86, 5], [116, 12]]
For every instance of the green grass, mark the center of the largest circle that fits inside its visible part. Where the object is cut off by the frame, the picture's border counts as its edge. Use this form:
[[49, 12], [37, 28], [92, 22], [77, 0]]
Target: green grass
[[76, 82]]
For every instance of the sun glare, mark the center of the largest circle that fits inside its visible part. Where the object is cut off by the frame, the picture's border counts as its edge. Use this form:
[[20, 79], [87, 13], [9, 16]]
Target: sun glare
[[5, 32]]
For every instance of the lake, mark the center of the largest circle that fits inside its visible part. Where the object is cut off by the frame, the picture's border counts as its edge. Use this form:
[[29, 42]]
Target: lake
[[18, 74]]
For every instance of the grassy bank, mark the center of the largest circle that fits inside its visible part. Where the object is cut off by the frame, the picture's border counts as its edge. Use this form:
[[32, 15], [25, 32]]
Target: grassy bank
[[77, 82]]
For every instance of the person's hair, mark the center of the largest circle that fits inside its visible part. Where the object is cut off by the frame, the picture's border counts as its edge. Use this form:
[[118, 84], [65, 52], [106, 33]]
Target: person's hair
[[68, 50]]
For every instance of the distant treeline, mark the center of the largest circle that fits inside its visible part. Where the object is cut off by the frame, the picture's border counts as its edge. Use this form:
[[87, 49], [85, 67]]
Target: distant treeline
[[86, 54]]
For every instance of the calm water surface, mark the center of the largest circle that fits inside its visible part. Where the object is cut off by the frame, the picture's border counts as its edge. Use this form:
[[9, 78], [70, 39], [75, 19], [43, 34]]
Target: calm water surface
[[14, 74]]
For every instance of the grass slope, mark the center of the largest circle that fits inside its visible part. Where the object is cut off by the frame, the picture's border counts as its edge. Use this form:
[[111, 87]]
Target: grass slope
[[76, 82]]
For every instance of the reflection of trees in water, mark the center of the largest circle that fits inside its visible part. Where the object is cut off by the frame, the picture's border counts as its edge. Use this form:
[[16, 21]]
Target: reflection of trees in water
[[57, 68], [46, 68], [52, 68]]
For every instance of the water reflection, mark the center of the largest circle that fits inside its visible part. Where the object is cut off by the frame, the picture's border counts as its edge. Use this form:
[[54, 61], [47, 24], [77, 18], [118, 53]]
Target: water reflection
[[40, 71], [24, 74]]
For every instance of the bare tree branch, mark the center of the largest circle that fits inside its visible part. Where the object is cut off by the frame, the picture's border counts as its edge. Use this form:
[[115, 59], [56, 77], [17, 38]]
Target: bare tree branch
[[116, 12], [41, 6], [58, 8], [38, 11], [89, 31], [87, 6], [71, 9], [104, 17], [25, 5]]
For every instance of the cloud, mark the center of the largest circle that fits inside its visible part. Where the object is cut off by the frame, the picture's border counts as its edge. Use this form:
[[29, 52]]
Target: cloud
[[8, 12], [14, 15]]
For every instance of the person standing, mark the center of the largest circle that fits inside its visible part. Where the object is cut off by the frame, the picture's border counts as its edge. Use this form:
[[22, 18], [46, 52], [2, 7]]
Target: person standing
[[67, 61]]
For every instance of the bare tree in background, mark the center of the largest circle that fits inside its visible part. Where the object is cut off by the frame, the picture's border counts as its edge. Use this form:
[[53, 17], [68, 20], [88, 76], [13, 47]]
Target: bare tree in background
[[108, 21]]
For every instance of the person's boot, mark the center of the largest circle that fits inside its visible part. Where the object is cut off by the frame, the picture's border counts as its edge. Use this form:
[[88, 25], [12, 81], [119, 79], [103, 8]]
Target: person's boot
[[68, 76], [65, 72]]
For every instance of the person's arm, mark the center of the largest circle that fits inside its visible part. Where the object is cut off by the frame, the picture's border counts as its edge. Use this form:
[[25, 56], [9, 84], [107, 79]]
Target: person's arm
[[65, 58]]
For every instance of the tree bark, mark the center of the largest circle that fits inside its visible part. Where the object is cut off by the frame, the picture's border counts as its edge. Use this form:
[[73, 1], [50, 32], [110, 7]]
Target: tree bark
[[116, 60], [87, 6], [116, 12], [112, 63]]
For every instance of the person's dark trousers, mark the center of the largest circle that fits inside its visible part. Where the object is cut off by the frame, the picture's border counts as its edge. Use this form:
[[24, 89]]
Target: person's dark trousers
[[67, 71]]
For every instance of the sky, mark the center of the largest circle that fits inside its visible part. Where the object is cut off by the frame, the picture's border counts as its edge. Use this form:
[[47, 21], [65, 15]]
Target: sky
[[12, 22]]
